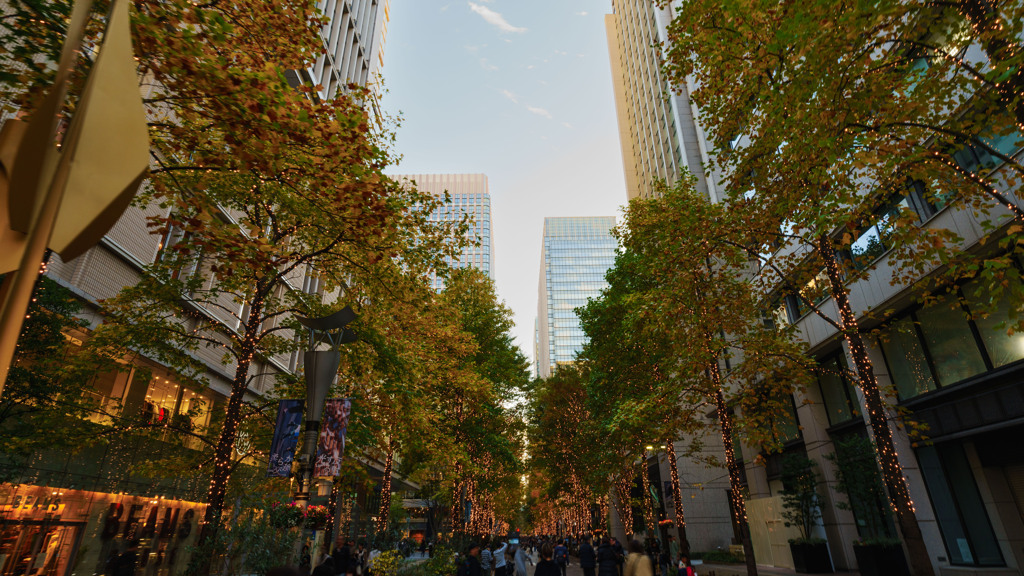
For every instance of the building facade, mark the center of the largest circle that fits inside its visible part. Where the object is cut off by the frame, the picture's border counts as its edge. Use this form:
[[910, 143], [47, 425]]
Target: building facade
[[660, 136], [470, 196], [959, 374], [64, 513], [353, 39], [577, 253]]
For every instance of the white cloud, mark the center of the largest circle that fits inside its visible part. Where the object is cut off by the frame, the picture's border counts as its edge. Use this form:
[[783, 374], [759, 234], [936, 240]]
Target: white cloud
[[494, 18], [567, 125], [508, 94], [539, 111], [487, 65], [581, 13], [530, 67]]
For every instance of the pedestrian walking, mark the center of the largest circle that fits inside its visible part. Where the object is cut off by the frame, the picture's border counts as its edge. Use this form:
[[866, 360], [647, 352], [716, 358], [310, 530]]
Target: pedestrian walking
[[546, 566], [588, 557], [684, 566], [521, 558], [620, 554], [638, 563], [607, 560], [562, 556], [342, 558], [486, 559], [673, 549], [665, 561], [469, 565], [500, 564]]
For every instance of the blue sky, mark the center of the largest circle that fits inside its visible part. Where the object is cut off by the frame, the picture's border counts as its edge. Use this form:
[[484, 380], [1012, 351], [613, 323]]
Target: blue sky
[[519, 90]]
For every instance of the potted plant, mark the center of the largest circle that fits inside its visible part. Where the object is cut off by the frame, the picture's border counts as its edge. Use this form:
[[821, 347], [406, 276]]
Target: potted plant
[[878, 552], [316, 517], [286, 515], [800, 501]]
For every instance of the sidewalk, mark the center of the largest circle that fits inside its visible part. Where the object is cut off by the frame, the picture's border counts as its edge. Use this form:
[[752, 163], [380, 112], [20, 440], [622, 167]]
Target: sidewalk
[[741, 570], [711, 570]]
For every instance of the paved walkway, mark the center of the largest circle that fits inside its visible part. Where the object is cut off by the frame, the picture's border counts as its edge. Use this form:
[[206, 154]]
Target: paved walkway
[[741, 570], [707, 570]]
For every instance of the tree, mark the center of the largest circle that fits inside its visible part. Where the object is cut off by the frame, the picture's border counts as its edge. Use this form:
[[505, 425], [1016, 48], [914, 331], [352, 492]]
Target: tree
[[255, 185], [698, 297], [571, 454], [488, 435], [846, 115], [800, 494], [630, 370], [49, 389]]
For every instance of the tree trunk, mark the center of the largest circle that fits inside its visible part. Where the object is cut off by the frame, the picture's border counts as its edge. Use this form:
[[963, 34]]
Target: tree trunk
[[677, 499], [457, 501], [739, 507], [892, 471], [623, 505], [385, 493], [332, 513], [226, 443]]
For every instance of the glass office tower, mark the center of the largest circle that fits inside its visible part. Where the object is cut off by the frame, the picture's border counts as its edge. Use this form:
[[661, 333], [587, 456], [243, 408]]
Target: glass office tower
[[578, 251], [470, 195]]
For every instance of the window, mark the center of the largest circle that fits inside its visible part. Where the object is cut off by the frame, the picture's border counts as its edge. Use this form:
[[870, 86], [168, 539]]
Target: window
[[940, 345], [876, 240], [1002, 348], [1001, 135], [963, 521], [815, 291], [951, 343], [837, 391], [909, 368]]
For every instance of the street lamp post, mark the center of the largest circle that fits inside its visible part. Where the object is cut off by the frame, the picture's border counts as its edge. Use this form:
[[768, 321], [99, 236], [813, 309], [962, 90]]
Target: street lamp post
[[321, 366]]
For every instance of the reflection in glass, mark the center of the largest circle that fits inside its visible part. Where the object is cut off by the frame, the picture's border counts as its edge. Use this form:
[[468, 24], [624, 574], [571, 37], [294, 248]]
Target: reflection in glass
[[904, 354], [950, 343]]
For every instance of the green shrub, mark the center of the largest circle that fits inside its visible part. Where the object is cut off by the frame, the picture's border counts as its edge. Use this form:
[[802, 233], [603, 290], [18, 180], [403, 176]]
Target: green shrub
[[718, 557]]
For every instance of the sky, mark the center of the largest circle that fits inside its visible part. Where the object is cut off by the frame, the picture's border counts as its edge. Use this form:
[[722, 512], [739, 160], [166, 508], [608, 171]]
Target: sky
[[519, 90]]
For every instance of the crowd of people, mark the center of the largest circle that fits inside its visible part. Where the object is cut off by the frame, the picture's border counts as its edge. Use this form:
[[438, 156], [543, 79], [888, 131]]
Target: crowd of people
[[608, 558]]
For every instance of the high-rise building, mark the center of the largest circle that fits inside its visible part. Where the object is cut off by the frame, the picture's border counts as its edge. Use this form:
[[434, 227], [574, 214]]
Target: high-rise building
[[662, 139], [353, 45], [469, 196], [659, 133], [578, 251]]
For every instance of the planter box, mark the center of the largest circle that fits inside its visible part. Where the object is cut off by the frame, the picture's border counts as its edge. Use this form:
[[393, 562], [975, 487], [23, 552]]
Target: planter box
[[881, 560], [811, 558]]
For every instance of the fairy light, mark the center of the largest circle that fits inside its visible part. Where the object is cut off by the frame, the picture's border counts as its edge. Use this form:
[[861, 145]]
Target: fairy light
[[888, 458], [677, 497], [385, 492]]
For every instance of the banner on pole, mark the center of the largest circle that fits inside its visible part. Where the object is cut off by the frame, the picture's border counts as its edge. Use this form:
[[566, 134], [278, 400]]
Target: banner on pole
[[331, 445], [286, 438]]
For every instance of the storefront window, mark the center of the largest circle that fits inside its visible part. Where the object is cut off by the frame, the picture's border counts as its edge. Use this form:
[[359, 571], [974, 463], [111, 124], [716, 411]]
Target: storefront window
[[959, 510], [908, 366], [951, 343]]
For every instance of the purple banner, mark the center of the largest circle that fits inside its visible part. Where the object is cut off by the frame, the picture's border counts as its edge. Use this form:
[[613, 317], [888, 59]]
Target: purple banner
[[286, 438], [331, 446]]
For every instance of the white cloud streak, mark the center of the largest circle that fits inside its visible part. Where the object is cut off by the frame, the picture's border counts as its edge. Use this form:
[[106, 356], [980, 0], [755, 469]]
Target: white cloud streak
[[540, 112], [508, 94], [495, 19]]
